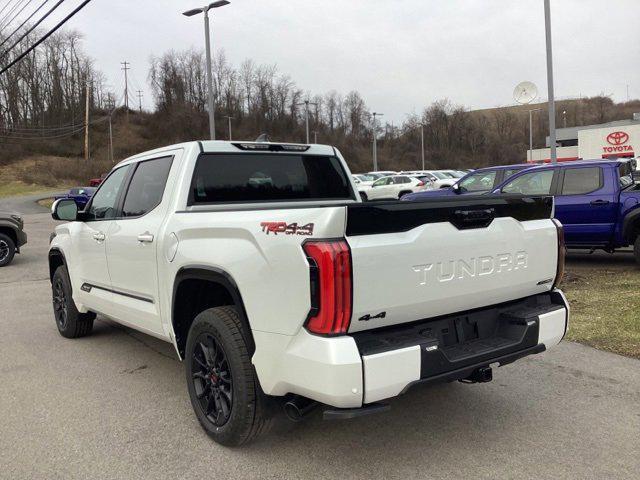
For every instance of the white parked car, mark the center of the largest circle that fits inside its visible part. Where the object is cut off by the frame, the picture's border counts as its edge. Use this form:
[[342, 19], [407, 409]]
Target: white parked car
[[393, 188], [279, 288]]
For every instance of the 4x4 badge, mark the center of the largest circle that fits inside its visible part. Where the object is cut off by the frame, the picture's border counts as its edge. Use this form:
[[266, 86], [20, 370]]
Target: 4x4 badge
[[366, 318]]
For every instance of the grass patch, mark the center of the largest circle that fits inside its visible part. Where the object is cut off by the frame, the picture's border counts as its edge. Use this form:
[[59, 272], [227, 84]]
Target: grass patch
[[605, 304], [15, 188], [46, 202]]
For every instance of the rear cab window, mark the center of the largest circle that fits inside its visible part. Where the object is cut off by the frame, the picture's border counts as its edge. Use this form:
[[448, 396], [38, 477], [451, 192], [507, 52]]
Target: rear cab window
[[263, 177], [580, 181]]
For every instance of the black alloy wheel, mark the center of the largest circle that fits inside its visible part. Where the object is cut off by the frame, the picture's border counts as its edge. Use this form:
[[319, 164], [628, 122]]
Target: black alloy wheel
[[60, 304], [212, 379]]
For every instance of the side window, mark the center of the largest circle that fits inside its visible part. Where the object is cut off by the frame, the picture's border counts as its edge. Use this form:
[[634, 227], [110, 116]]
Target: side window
[[381, 182], [510, 172], [581, 180], [533, 183], [104, 204], [147, 187], [479, 182]]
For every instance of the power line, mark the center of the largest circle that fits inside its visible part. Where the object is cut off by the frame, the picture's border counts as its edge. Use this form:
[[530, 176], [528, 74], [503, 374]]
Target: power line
[[33, 27], [5, 6], [75, 131], [17, 14], [47, 35], [24, 23], [11, 10]]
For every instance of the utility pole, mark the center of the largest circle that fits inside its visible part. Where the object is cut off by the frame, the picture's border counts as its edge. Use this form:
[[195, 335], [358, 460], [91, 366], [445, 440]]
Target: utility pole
[[126, 68], [552, 101], [86, 122], [315, 137], [229, 118], [375, 141], [111, 138], [140, 95], [422, 141], [306, 104]]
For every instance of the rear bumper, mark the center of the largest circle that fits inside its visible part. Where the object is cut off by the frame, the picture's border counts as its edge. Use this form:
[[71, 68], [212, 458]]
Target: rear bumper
[[347, 372]]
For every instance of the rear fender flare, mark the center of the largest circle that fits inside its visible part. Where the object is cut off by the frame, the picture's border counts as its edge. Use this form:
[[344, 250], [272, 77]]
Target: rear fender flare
[[631, 224]]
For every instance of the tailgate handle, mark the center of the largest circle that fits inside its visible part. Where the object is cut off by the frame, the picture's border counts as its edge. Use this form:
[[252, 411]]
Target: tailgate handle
[[463, 219]]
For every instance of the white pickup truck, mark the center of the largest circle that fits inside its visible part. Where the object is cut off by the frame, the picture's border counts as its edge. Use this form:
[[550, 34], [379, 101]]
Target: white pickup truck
[[278, 286]]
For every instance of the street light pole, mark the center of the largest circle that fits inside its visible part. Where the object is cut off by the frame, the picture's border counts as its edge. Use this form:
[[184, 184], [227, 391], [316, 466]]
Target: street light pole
[[229, 118], [531, 132], [422, 142], [552, 102], [375, 141], [306, 104], [207, 37]]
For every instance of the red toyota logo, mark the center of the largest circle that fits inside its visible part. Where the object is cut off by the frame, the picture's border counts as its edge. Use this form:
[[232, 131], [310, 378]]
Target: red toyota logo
[[618, 138]]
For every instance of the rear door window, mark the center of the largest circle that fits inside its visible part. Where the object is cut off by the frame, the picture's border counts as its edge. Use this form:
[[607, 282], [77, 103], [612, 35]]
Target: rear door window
[[578, 181], [250, 178], [147, 187]]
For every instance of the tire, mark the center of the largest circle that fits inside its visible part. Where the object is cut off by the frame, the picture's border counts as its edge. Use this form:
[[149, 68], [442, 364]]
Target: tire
[[364, 197], [70, 322], [7, 250], [222, 383], [402, 194], [636, 249]]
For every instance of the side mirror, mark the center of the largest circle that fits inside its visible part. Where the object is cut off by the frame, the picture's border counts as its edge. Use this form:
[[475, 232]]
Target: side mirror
[[64, 209], [456, 188]]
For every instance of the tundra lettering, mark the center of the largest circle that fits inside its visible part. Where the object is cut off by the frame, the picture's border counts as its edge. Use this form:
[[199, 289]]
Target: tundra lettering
[[474, 267]]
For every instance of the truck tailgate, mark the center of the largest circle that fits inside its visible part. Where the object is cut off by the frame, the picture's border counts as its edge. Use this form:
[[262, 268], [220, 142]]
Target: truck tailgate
[[414, 261]]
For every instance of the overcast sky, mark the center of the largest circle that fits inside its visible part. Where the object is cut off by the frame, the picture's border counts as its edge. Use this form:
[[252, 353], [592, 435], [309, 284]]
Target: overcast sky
[[400, 55]]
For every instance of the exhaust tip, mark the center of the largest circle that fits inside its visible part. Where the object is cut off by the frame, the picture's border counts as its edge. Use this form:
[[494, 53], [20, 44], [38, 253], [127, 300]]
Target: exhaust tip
[[298, 407]]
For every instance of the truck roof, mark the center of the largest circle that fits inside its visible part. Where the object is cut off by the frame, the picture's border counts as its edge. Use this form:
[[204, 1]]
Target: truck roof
[[237, 146]]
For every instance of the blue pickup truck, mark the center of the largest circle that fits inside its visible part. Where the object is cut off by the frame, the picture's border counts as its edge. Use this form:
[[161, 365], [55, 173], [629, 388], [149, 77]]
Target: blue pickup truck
[[597, 201]]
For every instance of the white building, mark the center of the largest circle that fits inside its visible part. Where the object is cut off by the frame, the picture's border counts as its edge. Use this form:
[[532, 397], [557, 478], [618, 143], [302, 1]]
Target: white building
[[619, 139]]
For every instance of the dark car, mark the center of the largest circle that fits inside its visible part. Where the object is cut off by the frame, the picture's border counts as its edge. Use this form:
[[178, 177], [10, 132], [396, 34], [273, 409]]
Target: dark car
[[81, 195], [597, 201], [478, 182], [12, 236]]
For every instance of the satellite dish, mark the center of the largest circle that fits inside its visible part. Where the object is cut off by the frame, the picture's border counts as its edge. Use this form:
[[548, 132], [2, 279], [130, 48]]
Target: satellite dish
[[525, 93]]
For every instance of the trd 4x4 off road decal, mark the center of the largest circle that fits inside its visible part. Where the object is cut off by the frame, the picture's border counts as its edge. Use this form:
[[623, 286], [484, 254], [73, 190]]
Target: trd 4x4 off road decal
[[287, 229]]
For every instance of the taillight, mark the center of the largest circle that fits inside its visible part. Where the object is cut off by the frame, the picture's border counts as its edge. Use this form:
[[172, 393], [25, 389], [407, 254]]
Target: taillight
[[421, 184], [561, 253], [331, 293]]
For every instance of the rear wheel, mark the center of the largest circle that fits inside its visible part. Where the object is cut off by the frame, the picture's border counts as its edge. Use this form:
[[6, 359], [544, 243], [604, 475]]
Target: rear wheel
[[70, 322], [402, 194], [7, 250], [364, 197], [636, 249], [221, 380]]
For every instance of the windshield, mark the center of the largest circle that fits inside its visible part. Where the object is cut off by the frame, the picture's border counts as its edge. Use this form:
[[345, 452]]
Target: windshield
[[366, 178], [441, 175]]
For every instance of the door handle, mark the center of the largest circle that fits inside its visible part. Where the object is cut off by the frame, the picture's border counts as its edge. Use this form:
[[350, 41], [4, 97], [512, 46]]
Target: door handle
[[145, 238], [99, 237], [598, 203]]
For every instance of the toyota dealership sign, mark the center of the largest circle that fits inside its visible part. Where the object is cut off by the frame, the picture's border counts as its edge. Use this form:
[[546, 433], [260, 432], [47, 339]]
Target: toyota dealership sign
[[609, 142]]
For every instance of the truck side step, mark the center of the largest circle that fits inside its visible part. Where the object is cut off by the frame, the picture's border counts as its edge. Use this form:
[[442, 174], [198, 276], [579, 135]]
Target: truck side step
[[347, 413]]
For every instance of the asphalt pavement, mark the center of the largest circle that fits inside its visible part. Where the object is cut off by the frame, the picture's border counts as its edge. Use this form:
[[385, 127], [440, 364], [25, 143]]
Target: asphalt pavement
[[26, 204], [115, 406]]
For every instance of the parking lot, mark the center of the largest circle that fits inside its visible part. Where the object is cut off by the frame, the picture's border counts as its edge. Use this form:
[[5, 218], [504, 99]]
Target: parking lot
[[115, 405]]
